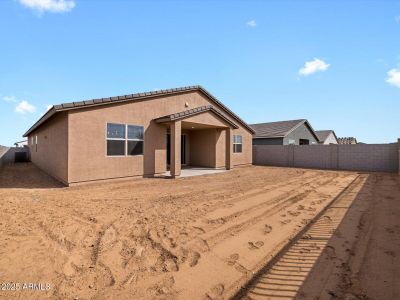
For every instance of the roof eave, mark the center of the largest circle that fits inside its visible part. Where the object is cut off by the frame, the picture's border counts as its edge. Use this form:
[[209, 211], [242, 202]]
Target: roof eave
[[126, 98], [268, 137], [44, 118], [194, 112]]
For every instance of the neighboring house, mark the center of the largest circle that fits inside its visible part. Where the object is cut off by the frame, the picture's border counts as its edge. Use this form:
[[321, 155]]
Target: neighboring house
[[21, 144], [326, 137], [139, 135], [294, 132], [347, 140]]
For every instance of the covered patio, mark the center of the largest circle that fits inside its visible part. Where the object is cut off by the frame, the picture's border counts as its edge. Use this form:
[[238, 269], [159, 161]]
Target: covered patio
[[199, 140]]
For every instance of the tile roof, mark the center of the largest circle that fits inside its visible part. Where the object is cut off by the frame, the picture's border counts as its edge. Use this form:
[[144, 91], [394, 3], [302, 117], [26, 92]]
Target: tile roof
[[132, 97], [275, 129], [193, 112], [347, 140]]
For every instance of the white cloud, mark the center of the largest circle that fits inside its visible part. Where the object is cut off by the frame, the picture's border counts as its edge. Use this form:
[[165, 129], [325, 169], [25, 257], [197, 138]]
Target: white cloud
[[313, 66], [251, 23], [48, 107], [53, 6], [10, 98], [394, 77], [24, 107]]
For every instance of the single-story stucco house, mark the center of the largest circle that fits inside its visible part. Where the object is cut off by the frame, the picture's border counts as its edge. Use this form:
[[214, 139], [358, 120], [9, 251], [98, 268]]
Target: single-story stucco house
[[326, 137], [293, 132], [139, 135]]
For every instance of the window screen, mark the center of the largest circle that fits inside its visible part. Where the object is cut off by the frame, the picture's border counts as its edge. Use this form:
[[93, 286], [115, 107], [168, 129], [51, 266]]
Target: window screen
[[135, 140], [123, 139], [237, 144], [116, 139]]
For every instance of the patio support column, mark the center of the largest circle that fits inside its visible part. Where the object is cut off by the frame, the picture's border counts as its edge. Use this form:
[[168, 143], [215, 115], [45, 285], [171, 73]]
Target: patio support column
[[175, 167], [228, 148]]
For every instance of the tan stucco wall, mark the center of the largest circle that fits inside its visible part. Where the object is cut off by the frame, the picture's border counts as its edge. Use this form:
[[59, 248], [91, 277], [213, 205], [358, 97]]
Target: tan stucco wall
[[207, 118], [220, 148], [245, 157], [52, 149], [87, 158], [203, 148]]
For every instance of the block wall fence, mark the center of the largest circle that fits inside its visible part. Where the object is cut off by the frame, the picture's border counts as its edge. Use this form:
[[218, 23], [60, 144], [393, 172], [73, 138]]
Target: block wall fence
[[7, 154], [358, 157]]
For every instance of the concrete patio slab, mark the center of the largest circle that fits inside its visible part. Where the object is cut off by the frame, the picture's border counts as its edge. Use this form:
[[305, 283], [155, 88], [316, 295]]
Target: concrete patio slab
[[196, 171]]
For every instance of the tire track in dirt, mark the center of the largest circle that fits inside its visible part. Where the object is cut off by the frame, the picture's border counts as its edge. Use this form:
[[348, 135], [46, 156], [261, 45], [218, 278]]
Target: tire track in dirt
[[264, 192], [263, 204], [214, 224], [283, 275], [282, 203], [219, 197]]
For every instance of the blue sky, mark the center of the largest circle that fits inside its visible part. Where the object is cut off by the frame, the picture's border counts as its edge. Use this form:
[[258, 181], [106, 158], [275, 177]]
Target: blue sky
[[252, 55]]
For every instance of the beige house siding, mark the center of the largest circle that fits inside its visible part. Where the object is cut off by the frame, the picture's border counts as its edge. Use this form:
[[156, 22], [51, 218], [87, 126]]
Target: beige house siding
[[245, 157], [51, 153], [75, 148], [330, 139], [203, 142]]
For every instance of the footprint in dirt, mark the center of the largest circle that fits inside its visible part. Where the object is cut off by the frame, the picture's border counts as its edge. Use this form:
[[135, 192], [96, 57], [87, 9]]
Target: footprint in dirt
[[198, 230], [284, 222], [294, 213], [300, 207], [193, 258], [267, 229], [199, 245], [255, 245], [108, 238], [215, 292], [330, 252], [233, 258]]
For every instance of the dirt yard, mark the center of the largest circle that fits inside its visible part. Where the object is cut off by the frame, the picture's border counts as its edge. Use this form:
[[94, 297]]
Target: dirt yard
[[194, 238]]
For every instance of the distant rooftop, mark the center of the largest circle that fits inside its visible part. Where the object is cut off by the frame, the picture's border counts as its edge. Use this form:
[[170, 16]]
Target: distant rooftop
[[347, 140], [323, 134], [275, 129]]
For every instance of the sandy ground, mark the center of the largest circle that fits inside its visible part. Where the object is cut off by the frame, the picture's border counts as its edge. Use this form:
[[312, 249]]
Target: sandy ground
[[191, 238]]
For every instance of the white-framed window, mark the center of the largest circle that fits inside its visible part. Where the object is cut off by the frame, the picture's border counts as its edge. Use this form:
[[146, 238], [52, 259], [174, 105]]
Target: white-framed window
[[135, 140], [237, 144], [124, 139], [36, 143]]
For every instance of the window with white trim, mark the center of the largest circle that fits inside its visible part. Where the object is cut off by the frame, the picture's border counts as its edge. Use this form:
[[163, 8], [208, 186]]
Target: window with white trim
[[123, 139], [135, 140], [36, 142], [237, 144]]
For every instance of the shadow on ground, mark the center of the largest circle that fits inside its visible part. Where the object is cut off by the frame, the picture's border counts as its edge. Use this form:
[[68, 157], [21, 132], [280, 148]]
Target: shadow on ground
[[350, 252], [26, 176]]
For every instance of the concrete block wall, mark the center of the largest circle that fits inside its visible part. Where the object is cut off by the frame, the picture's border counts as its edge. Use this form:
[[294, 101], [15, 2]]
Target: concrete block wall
[[3, 151], [7, 154], [274, 155], [364, 157], [320, 158], [359, 157]]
